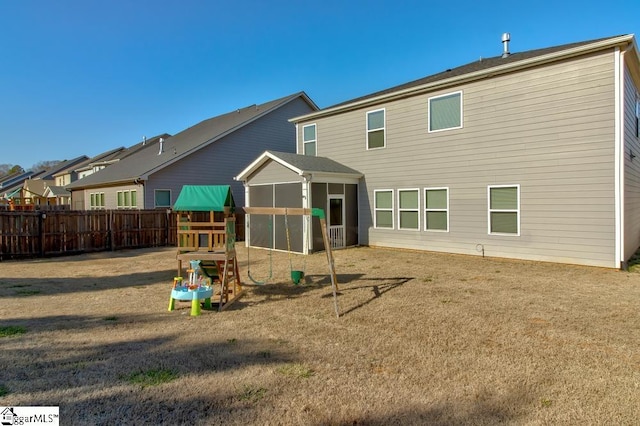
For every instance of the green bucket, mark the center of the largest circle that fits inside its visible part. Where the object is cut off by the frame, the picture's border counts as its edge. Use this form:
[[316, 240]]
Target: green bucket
[[296, 276]]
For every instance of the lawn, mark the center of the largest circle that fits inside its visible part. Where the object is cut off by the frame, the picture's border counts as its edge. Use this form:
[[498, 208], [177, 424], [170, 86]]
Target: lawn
[[423, 338]]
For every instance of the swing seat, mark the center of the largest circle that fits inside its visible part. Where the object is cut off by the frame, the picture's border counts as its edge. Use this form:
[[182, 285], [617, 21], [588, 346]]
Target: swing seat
[[297, 276]]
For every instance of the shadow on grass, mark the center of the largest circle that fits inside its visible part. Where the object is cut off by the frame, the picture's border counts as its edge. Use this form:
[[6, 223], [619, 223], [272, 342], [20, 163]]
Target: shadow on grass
[[22, 287]]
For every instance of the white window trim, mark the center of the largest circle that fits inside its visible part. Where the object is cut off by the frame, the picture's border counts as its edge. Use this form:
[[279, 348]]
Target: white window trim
[[383, 128], [429, 112], [416, 210], [155, 198], [489, 210], [426, 210], [377, 209], [310, 141]]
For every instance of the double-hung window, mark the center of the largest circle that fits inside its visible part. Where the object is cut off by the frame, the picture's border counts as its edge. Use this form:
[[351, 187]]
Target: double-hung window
[[504, 209], [637, 115], [445, 112], [309, 140], [383, 207], [96, 200], [126, 199], [408, 209], [436, 209], [376, 129], [162, 198]]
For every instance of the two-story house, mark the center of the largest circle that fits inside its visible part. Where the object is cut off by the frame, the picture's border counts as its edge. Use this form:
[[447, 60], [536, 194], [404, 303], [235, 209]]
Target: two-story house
[[529, 155]]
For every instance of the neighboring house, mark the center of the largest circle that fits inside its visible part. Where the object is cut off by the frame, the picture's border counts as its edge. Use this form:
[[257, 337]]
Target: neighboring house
[[530, 155], [208, 153], [34, 188], [106, 159]]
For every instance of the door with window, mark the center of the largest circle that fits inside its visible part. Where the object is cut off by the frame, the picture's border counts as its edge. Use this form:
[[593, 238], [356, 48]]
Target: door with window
[[336, 221]]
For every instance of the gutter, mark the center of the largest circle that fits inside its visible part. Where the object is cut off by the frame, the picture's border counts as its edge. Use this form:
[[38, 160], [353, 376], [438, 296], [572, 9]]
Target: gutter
[[477, 75]]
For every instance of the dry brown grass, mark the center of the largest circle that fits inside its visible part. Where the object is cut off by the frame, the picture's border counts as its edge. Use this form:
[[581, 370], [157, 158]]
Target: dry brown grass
[[424, 338]]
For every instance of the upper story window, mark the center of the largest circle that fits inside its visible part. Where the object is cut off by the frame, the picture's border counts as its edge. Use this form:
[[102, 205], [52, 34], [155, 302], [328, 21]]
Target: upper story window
[[376, 129], [504, 209], [162, 198], [445, 112], [383, 207], [408, 213], [309, 139]]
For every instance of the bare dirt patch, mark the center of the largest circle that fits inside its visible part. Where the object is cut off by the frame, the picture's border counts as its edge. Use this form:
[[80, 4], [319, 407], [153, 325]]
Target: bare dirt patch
[[423, 338]]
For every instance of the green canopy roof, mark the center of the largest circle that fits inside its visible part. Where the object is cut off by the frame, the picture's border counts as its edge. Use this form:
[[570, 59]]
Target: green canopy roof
[[204, 198]]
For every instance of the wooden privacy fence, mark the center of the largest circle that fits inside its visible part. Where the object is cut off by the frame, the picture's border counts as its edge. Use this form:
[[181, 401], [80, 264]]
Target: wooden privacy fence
[[25, 234]]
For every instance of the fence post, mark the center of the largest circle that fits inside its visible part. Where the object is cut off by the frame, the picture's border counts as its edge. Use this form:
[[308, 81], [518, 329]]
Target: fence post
[[41, 217]]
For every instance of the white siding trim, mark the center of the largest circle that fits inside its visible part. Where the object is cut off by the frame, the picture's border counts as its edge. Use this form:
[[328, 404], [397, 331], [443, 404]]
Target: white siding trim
[[618, 150]]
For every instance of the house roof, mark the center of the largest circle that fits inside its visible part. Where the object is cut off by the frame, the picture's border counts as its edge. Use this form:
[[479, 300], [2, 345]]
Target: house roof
[[300, 164], [204, 198], [482, 68], [56, 191], [62, 167], [143, 163]]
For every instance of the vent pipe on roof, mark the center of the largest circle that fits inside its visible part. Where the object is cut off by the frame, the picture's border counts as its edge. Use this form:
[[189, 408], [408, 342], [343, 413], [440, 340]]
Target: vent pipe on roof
[[144, 140], [506, 38], [161, 146]]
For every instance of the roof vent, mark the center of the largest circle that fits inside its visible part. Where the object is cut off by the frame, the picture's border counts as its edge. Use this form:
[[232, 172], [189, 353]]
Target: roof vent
[[161, 146], [506, 38], [144, 140]]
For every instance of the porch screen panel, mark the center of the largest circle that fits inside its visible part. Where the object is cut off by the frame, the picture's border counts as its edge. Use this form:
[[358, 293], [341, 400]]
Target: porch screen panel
[[351, 214], [260, 225], [318, 201], [288, 195]]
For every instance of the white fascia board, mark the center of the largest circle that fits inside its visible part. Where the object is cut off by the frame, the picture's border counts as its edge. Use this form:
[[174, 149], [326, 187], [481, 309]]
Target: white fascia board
[[477, 75]]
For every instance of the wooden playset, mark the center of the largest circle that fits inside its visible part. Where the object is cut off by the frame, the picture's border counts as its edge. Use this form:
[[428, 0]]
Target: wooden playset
[[208, 246]]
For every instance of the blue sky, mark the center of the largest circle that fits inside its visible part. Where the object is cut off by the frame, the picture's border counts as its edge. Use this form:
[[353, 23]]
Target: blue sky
[[80, 77]]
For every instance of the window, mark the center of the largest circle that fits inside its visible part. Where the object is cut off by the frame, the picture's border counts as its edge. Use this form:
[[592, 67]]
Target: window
[[436, 209], [162, 198], [309, 140], [504, 209], [408, 213], [445, 112], [375, 129], [126, 199], [96, 200], [637, 115], [383, 208]]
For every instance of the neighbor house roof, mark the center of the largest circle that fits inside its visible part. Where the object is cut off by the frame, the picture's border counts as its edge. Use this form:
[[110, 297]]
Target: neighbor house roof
[[303, 165], [56, 191], [140, 165], [482, 68]]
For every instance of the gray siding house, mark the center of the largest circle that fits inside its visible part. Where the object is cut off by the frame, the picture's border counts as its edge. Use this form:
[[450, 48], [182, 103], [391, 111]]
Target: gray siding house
[[532, 155], [210, 152]]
